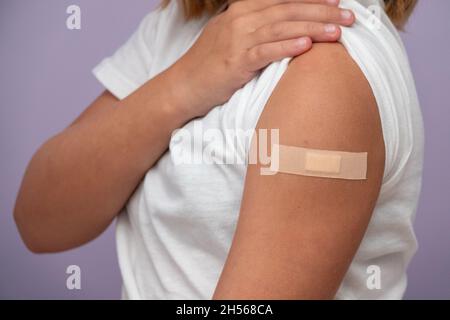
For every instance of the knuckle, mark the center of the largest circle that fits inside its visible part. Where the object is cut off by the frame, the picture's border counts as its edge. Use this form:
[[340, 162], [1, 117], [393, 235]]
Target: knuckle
[[322, 12], [276, 30], [311, 28], [330, 13], [285, 47], [229, 62], [286, 11], [256, 54], [232, 61]]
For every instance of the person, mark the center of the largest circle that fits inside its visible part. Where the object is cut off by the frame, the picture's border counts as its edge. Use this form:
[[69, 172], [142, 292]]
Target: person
[[329, 75]]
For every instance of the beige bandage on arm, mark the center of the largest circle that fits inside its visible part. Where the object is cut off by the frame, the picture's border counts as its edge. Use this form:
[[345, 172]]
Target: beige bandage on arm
[[319, 163]]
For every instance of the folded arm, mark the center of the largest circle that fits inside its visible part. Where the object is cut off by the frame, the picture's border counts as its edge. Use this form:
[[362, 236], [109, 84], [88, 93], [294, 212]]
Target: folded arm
[[80, 179]]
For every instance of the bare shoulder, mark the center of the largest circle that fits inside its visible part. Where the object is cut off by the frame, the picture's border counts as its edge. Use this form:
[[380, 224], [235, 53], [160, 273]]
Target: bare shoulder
[[324, 101]]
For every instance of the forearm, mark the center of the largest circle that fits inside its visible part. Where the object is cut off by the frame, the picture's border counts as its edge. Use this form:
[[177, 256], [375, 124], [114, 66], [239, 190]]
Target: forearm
[[79, 180]]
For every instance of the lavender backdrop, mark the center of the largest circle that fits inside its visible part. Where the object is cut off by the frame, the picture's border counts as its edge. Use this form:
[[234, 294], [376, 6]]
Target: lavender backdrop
[[45, 82]]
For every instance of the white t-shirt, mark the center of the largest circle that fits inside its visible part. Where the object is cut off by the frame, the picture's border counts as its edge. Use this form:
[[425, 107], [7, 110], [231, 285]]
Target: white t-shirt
[[176, 231]]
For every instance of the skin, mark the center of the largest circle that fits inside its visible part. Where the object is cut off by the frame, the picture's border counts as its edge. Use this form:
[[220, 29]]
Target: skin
[[297, 235], [79, 180]]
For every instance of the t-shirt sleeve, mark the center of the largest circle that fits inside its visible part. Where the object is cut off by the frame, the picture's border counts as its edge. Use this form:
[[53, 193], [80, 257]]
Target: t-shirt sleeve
[[379, 53], [128, 68]]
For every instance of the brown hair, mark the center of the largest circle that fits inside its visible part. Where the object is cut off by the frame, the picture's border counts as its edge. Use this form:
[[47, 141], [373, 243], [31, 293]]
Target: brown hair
[[398, 10]]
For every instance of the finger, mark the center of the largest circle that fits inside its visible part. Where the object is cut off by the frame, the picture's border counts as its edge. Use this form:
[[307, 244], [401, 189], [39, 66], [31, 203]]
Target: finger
[[300, 12], [318, 32], [261, 56]]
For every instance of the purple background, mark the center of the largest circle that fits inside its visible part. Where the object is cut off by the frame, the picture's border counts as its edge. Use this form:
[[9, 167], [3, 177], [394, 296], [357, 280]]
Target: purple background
[[45, 82]]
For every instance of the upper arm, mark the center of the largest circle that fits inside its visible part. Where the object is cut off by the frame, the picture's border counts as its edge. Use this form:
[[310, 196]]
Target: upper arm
[[297, 235]]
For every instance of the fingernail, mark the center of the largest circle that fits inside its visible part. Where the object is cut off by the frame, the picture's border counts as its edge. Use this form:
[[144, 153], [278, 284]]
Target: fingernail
[[330, 28], [333, 2], [346, 14], [302, 42]]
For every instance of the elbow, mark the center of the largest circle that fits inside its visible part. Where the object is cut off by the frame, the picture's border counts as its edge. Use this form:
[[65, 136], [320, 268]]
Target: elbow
[[35, 247], [32, 230], [30, 211], [42, 233], [27, 232]]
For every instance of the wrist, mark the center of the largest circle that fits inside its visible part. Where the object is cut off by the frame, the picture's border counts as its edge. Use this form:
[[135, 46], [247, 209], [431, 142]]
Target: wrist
[[181, 92]]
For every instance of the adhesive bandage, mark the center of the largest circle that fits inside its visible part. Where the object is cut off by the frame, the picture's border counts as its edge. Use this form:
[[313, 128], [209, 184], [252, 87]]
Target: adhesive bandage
[[319, 163]]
